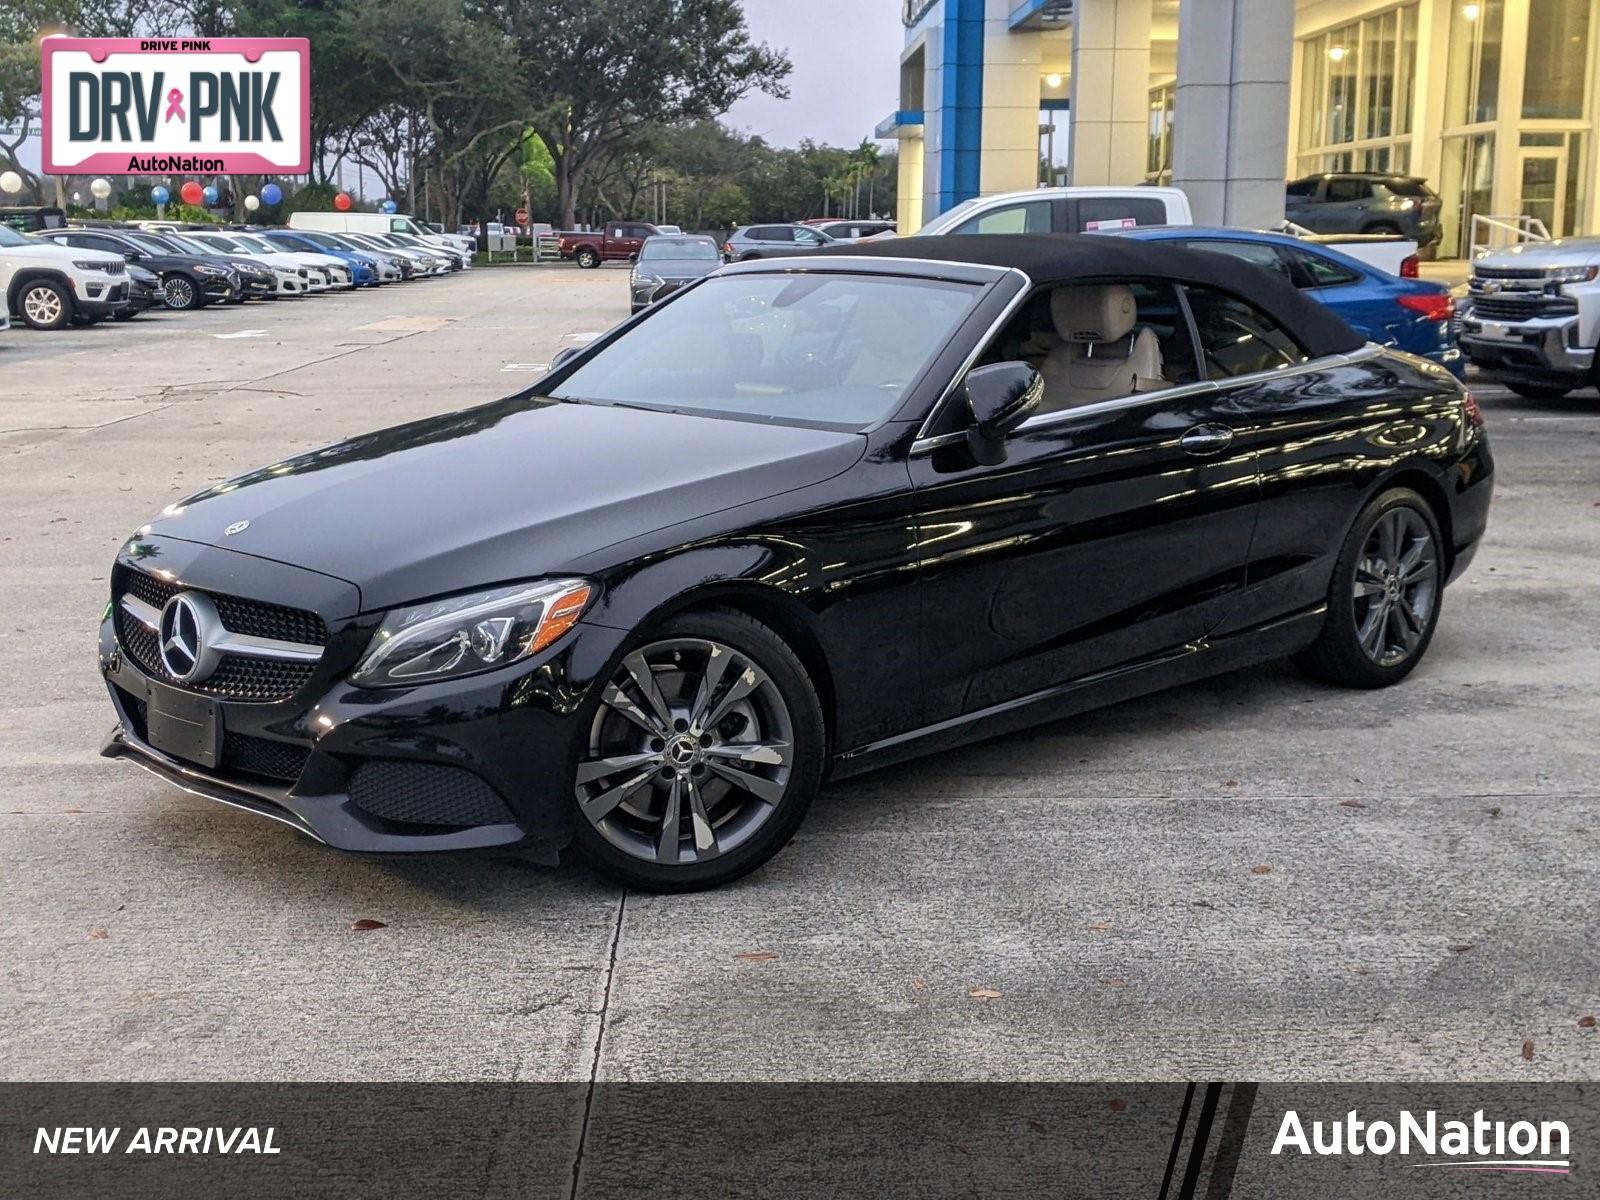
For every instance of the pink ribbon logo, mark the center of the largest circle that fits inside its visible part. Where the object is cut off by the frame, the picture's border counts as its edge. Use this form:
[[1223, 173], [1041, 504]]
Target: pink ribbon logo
[[175, 105]]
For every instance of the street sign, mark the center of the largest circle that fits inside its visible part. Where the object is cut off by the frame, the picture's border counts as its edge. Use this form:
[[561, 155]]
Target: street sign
[[522, 216], [171, 106]]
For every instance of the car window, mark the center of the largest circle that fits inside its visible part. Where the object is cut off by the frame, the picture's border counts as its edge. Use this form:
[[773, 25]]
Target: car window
[[10, 237], [686, 249], [1302, 187], [1341, 190], [808, 237], [1314, 271], [1257, 254], [1032, 217], [151, 245], [1237, 338], [823, 349], [1094, 211], [775, 233]]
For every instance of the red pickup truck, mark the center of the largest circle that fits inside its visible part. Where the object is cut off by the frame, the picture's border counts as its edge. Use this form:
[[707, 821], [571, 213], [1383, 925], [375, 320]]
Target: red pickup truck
[[618, 240]]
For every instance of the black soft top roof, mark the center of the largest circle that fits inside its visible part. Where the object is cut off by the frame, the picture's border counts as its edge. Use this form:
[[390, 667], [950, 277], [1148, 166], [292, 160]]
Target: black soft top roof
[[1050, 258]]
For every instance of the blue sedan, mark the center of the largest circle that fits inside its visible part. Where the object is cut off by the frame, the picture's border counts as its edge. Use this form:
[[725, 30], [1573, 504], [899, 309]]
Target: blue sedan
[[1411, 314], [363, 267]]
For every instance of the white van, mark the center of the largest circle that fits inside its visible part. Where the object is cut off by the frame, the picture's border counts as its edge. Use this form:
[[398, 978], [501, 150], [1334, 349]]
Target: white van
[[358, 222], [1064, 210]]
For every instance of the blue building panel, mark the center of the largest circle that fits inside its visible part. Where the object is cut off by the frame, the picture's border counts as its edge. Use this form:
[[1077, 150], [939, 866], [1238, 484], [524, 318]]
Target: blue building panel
[[961, 109]]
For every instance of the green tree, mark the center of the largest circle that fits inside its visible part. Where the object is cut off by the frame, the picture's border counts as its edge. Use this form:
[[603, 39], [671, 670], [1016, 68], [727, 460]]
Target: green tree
[[596, 73]]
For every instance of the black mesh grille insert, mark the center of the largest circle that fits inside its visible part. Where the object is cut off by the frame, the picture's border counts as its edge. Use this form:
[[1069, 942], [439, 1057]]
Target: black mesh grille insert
[[263, 756], [419, 793], [237, 677]]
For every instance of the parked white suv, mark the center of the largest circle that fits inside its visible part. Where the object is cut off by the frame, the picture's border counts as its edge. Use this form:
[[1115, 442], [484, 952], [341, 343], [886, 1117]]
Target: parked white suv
[[1532, 317], [48, 285], [1064, 210]]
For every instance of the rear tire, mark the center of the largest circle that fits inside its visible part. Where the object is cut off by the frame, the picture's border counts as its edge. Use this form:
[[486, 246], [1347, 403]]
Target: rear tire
[[1384, 599], [1383, 227], [703, 782], [587, 259]]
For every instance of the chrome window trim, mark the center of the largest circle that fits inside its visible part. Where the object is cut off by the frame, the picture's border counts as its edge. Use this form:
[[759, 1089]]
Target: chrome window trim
[[925, 445], [978, 348]]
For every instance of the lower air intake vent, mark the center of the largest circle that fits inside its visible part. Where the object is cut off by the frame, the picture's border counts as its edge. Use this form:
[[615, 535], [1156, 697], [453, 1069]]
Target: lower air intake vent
[[419, 793]]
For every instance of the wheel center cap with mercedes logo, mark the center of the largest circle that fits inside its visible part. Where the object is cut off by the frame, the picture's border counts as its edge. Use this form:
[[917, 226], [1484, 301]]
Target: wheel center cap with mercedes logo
[[189, 632]]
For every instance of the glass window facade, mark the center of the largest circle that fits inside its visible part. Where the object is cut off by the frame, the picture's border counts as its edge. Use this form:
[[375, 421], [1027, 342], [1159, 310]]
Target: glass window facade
[[1477, 33], [1555, 86], [1357, 86]]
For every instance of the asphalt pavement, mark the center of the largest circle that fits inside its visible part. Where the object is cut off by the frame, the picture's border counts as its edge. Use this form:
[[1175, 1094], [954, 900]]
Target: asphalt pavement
[[1254, 877]]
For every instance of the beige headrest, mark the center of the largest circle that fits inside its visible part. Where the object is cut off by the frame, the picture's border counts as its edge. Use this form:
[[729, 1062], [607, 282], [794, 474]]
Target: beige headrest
[[1095, 313]]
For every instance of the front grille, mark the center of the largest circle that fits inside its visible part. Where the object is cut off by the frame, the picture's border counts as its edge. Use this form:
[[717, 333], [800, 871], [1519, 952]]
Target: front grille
[[1479, 272], [237, 677], [422, 793], [1521, 308], [111, 267], [269, 759]]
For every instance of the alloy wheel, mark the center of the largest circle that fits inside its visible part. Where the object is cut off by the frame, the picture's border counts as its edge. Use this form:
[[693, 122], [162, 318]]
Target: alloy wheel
[[42, 306], [689, 753], [1396, 583], [178, 291]]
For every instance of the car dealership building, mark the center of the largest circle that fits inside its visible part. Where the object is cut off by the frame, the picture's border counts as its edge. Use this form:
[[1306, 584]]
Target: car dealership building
[[1494, 102]]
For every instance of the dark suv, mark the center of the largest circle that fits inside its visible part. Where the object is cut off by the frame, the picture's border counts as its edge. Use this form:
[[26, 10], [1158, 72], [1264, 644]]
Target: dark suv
[[1365, 203], [187, 280]]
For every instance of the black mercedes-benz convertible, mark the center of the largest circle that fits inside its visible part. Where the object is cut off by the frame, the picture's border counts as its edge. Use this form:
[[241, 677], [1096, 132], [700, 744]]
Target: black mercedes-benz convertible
[[800, 519]]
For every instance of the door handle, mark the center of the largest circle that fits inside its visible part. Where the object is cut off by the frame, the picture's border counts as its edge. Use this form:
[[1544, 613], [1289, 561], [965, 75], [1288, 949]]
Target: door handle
[[1206, 439]]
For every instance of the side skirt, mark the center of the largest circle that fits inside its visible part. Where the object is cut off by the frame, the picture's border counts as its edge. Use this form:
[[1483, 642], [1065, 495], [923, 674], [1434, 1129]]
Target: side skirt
[[1184, 664]]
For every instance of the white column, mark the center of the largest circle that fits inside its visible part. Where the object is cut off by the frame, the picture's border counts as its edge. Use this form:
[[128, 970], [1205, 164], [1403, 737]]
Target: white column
[[1111, 90], [1010, 103], [908, 203], [1231, 118]]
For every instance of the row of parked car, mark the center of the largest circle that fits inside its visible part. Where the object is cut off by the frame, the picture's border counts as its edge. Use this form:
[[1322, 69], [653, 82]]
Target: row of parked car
[[1371, 279], [85, 272]]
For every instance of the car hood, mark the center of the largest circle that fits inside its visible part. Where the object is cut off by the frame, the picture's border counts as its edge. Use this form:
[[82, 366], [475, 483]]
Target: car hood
[[60, 255], [511, 490], [1563, 252]]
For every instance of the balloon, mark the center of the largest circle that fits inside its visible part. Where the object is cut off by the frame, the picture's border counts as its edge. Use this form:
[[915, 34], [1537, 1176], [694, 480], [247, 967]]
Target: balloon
[[101, 188], [159, 195], [271, 194], [210, 196], [191, 192], [342, 201], [251, 204], [10, 182], [390, 206]]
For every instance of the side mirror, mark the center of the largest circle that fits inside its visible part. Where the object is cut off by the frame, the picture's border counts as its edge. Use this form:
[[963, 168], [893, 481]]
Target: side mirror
[[562, 356], [1000, 397], [133, 256]]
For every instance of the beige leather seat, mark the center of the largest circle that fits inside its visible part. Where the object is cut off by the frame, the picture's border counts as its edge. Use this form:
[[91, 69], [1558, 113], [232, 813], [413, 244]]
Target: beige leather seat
[[1101, 356]]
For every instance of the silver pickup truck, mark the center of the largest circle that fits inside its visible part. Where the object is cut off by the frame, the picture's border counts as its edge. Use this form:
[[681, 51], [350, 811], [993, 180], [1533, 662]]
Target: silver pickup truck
[[1532, 317]]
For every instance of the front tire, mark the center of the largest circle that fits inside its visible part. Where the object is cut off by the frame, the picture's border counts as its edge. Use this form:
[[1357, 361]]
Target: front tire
[[700, 757], [1383, 602], [45, 304], [179, 291]]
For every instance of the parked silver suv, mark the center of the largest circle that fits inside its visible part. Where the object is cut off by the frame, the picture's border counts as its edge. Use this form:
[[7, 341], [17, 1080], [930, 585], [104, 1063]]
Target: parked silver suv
[[773, 241]]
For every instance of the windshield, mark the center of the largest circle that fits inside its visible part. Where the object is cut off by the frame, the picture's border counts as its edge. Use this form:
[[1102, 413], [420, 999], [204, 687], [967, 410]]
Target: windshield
[[218, 241], [193, 246], [10, 237], [690, 249], [258, 245], [948, 218], [320, 239], [837, 350]]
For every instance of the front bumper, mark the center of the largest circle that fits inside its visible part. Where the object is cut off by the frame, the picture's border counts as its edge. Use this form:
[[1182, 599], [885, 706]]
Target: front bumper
[[515, 731], [101, 298], [1542, 349]]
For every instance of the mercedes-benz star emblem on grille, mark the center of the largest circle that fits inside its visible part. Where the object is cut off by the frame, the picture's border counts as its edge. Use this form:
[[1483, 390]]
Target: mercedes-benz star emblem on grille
[[236, 527], [189, 633]]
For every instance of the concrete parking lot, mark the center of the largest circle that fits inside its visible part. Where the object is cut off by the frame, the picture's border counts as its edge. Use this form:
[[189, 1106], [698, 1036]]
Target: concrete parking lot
[[1254, 877]]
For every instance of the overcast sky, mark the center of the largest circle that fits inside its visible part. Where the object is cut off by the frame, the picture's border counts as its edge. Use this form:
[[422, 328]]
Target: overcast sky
[[846, 78]]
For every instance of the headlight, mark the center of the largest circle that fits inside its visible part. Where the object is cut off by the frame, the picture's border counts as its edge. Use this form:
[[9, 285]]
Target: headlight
[[645, 279], [1571, 274], [462, 635], [215, 272], [92, 265]]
